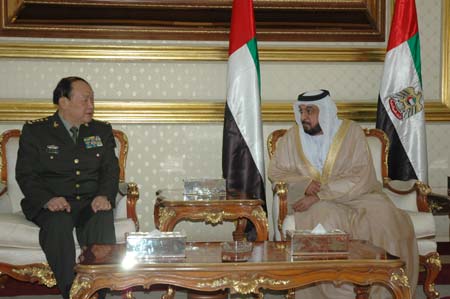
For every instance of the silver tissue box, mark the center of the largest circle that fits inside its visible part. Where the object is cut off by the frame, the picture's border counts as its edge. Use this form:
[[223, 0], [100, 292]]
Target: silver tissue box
[[205, 189], [147, 246]]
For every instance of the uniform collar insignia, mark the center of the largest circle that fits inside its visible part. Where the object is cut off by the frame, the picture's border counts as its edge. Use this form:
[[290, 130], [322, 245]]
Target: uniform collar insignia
[[55, 124]]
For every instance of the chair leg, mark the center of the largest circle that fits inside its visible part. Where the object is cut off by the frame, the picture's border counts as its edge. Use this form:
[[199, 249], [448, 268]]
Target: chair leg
[[432, 264], [34, 273]]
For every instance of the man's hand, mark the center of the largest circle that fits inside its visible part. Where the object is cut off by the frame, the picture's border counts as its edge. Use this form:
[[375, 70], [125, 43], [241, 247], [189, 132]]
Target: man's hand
[[100, 203], [313, 188], [56, 204], [305, 203]]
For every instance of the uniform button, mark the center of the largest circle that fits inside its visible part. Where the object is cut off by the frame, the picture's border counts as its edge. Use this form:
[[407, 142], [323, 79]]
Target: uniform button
[[77, 172], [76, 161], [98, 155], [51, 157], [77, 186], [78, 197]]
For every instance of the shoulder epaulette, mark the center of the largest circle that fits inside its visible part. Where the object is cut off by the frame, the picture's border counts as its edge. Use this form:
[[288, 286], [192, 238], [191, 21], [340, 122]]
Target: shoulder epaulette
[[35, 121]]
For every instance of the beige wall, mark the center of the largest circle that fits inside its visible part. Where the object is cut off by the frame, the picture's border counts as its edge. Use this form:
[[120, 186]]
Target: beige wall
[[161, 155]]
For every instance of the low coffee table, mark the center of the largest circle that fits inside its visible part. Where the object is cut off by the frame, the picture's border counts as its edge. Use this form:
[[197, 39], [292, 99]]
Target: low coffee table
[[270, 267]]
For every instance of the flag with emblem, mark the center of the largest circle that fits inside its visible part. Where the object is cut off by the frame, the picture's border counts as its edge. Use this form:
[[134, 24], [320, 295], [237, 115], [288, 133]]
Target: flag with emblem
[[400, 110], [242, 153]]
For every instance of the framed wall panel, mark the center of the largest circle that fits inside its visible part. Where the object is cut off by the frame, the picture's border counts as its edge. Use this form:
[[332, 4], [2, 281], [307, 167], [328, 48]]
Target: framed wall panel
[[199, 20]]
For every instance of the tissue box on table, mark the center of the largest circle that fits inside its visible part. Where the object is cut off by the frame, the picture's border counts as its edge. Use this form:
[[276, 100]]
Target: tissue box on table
[[154, 245], [205, 189], [304, 242]]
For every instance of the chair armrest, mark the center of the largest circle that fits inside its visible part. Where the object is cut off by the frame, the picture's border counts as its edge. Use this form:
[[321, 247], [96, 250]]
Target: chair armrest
[[131, 192], [420, 189], [280, 190]]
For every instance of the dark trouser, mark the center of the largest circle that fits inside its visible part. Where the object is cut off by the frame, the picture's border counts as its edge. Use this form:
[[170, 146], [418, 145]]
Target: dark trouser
[[57, 242]]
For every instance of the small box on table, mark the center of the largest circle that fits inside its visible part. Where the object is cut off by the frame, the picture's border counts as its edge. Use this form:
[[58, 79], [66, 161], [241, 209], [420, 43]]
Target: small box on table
[[303, 242], [204, 189], [148, 246]]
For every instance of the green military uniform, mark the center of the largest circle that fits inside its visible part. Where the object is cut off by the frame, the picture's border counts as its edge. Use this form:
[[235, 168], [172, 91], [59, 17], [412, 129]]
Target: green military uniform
[[50, 164]]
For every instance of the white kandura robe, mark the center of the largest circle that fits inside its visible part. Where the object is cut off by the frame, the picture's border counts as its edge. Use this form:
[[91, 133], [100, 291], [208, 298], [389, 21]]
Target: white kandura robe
[[350, 199]]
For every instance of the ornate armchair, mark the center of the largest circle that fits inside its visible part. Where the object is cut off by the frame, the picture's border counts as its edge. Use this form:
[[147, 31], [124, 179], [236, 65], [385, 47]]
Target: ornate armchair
[[20, 254], [410, 196]]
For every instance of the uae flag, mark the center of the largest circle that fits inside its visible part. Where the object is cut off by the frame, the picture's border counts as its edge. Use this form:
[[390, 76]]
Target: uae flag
[[242, 153], [400, 110]]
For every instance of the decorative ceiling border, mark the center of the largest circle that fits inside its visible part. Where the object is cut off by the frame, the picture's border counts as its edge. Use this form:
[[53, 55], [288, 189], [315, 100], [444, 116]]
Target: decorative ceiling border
[[183, 53], [193, 112]]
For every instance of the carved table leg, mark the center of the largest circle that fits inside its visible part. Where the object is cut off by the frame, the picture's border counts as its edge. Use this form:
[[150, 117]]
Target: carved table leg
[[239, 233], [81, 288], [259, 220], [3, 280], [400, 284], [290, 294], [362, 292], [128, 294], [169, 294], [260, 295]]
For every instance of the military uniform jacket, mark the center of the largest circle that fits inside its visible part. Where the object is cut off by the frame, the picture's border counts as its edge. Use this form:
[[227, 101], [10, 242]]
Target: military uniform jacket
[[50, 164]]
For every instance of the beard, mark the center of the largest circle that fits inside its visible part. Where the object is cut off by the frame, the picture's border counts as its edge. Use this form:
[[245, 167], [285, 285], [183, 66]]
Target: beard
[[312, 131]]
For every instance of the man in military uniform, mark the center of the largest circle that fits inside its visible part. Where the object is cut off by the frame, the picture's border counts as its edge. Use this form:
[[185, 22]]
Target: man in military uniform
[[69, 173]]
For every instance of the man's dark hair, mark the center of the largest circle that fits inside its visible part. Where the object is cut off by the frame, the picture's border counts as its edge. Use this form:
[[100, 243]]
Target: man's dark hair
[[64, 88]]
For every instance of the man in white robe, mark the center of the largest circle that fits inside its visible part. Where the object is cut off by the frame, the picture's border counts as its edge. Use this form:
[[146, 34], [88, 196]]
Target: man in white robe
[[331, 180]]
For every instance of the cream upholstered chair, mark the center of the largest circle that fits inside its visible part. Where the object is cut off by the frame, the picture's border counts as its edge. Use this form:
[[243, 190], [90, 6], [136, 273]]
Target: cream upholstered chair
[[21, 256], [410, 196]]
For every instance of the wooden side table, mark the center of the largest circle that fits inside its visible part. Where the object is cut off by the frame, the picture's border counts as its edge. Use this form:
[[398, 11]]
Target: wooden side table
[[170, 210]]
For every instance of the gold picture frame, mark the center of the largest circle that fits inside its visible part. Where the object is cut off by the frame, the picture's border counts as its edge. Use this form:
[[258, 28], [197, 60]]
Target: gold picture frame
[[199, 20]]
